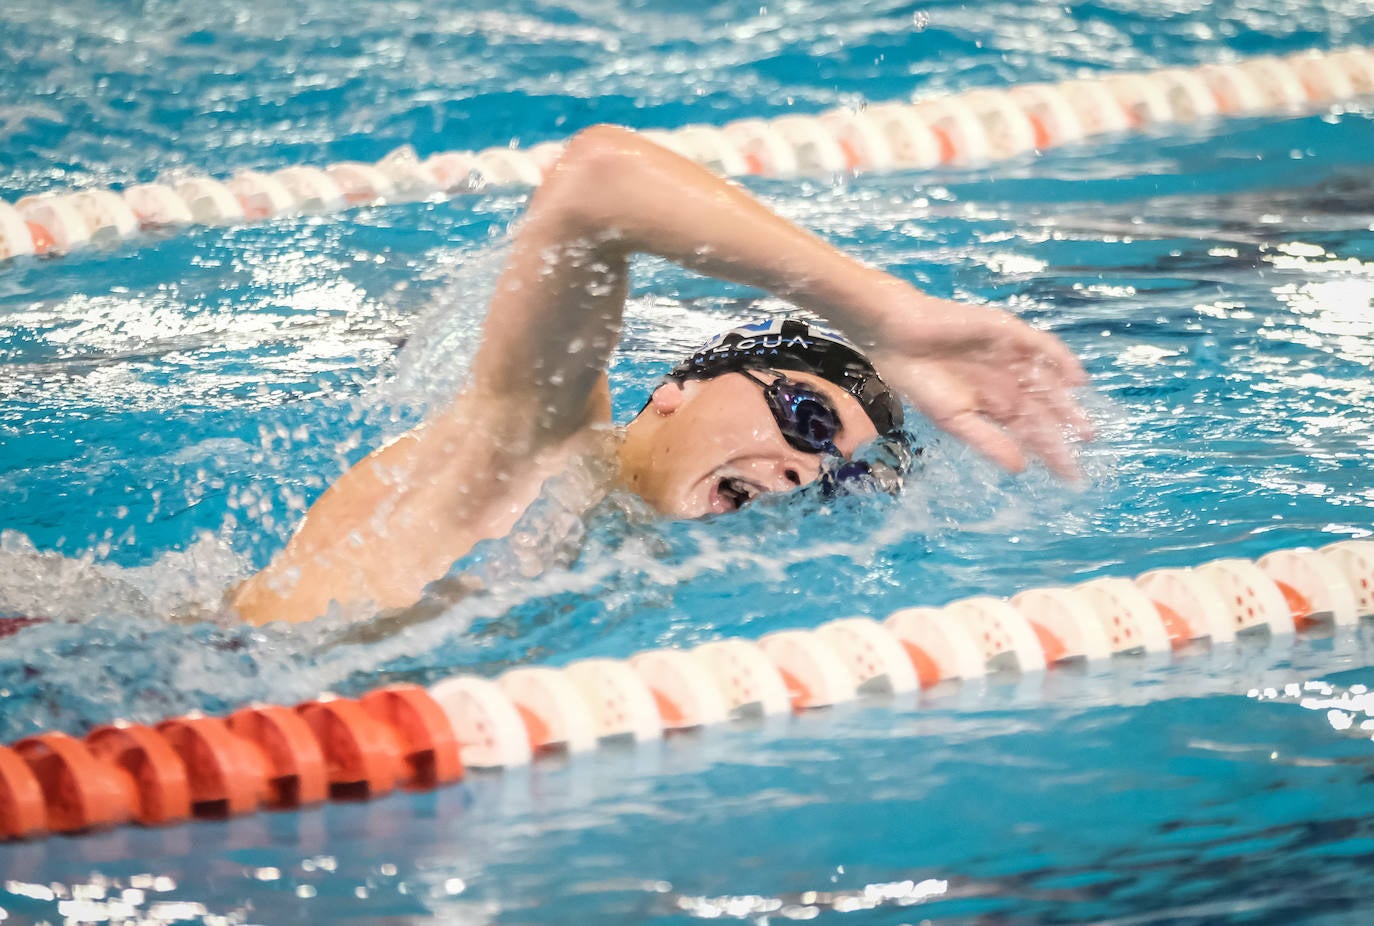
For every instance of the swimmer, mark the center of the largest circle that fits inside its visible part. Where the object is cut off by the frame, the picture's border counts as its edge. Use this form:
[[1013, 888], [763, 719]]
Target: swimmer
[[761, 409]]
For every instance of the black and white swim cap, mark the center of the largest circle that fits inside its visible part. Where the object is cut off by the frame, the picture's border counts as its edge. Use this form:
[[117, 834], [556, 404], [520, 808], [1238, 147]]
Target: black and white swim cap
[[790, 344]]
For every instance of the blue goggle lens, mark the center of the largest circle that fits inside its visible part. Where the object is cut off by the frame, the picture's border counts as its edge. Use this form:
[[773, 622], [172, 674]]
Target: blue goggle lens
[[805, 418]]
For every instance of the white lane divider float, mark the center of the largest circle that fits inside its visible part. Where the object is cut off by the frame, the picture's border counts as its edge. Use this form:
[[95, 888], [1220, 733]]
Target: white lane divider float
[[314, 190], [1144, 101], [1066, 623], [1129, 617], [747, 679], [906, 140], [1185, 591], [1251, 596], [976, 126], [1006, 638], [260, 195], [621, 703], [940, 649], [1189, 97], [361, 183], [683, 687], [157, 205], [16, 238], [54, 222], [106, 216], [1313, 586], [557, 715], [817, 150], [485, 720], [814, 676], [1355, 559], [873, 656], [210, 202]]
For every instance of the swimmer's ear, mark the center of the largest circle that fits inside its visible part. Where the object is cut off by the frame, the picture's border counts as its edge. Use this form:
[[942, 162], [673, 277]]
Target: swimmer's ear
[[667, 398]]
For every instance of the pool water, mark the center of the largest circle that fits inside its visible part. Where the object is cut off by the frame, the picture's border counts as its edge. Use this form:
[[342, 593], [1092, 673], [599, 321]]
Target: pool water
[[169, 409]]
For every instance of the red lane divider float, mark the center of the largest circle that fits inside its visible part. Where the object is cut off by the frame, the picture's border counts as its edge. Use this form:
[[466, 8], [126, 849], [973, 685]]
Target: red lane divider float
[[154, 779], [404, 736], [977, 126], [23, 810], [79, 791], [294, 760], [9, 625]]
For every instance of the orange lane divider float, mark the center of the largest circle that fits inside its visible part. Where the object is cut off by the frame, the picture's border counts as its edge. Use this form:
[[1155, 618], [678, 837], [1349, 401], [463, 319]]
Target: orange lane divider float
[[405, 736], [976, 126]]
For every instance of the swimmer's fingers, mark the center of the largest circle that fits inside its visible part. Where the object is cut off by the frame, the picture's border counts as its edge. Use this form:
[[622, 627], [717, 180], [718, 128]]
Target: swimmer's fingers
[[1043, 437], [950, 402], [1067, 410], [1060, 359], [1008, 443], [989, 439], [1016, 418], [1048, 421], [998, 385], [1013, 340], [1051, 372], [1047, 396]]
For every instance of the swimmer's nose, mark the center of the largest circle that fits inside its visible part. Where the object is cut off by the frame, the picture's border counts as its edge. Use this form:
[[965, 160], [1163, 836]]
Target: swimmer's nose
[[786, 475]]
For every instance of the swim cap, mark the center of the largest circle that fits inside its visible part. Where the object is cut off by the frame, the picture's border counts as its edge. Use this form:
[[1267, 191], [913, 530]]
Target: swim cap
[[790, 344]]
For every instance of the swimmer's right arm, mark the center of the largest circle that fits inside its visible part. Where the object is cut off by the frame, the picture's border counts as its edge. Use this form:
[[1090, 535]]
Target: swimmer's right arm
[[399, 518], [978, 372]]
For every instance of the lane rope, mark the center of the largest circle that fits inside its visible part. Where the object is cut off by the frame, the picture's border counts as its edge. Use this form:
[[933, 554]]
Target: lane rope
[[973, 127], [407, 737]]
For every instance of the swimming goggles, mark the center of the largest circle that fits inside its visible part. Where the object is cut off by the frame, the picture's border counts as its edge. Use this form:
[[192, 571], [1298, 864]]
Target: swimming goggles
[[810, 423], [805, 417]]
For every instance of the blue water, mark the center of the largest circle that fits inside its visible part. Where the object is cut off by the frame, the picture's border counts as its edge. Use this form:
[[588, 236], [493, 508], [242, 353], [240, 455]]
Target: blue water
[[170, 407]]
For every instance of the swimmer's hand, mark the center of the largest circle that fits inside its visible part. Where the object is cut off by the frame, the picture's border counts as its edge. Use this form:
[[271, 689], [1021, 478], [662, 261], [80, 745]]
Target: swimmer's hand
[[982, 375]]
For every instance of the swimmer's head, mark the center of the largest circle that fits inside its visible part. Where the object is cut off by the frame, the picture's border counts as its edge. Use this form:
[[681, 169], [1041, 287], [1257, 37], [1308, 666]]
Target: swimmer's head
[[765, 407], [798, 346]]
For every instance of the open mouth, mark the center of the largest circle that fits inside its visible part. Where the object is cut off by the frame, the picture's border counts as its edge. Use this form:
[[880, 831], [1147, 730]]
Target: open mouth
[[730, 493]]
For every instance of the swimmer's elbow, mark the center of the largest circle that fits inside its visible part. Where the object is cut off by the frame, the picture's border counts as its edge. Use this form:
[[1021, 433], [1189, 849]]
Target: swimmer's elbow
[[580, 189], [598, 149]]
